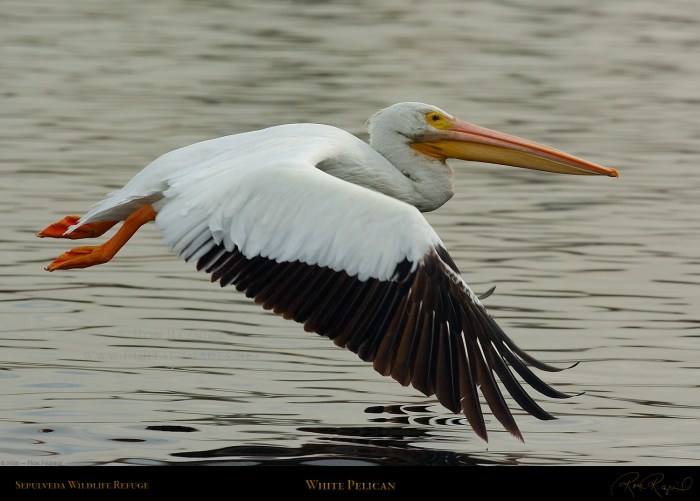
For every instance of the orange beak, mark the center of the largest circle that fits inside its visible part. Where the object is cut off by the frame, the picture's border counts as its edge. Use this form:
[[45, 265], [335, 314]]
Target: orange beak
[[467, 141]]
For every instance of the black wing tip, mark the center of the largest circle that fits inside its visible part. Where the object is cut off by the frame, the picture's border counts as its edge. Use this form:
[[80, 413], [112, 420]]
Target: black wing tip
[[551, 368], [486, 294]]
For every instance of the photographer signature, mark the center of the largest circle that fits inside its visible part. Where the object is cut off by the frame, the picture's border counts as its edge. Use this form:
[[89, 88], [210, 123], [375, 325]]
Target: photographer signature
[[654, 484]]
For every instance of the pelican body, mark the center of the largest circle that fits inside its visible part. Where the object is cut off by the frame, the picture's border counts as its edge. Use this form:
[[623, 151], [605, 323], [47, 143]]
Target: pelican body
[[322, 228]]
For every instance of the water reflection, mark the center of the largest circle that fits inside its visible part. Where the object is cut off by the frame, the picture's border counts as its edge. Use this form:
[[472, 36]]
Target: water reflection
[[347, 446]]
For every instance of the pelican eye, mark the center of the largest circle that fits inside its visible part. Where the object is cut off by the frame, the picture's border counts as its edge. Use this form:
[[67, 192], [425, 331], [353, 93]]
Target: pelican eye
[[437, 120]]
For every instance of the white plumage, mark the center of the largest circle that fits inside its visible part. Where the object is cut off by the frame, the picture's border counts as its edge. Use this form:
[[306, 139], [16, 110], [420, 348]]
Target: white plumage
[[305, 214], [322, 228]]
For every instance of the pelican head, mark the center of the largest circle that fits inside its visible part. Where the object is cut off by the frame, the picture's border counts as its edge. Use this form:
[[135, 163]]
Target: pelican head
[[435, 133]]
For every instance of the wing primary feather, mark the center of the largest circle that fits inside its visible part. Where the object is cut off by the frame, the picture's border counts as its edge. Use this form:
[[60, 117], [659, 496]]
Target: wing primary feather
[[219, 274], [279, 295], [310, 304], [224, 264], [345, 312], [495, 362], [446, 258], [254, 277], [415, 348], [384, 359], [401, 366], [369, 347], [426, 370], [211, 259], [362, 326], [351, 325], [410, 333], [487, 294], [419, 332], [365, 337], [446, 381], [488, 385], [524, 372], [338, 286], [237, 269], [471, 407], [424, 376], [424, 365], [497, 350], [272, 280], [300, 292], [329, 307], [307, 292], [446, 374], [522, 354]]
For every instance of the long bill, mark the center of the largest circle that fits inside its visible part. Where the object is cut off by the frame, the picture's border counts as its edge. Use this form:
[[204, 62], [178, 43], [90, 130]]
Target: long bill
[[467, 141]]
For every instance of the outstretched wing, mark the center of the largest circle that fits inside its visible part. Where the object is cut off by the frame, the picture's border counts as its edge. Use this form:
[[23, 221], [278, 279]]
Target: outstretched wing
[[358, 267]]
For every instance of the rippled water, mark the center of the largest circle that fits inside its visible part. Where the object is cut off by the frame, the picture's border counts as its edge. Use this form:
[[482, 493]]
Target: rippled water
[[143, 361]]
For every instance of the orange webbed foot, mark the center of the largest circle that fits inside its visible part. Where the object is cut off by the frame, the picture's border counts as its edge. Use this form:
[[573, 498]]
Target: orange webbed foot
[[88, 230], [86, 256], [79, 257]]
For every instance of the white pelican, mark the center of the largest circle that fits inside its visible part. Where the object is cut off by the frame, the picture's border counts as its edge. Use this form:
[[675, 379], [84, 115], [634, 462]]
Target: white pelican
[[324, 229]]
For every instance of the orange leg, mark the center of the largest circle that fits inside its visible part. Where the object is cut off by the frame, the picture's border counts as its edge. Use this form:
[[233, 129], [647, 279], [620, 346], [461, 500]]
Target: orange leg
[[86, 256], [88, 230]]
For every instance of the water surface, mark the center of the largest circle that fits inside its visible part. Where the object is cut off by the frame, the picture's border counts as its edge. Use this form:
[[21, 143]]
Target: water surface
[[143, 361]]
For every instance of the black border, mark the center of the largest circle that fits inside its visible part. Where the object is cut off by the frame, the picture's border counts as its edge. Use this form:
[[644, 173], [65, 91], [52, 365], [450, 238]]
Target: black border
[[244, 482]]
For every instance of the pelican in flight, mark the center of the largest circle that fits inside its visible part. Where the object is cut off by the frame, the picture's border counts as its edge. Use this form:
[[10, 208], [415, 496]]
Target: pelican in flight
[[322, 228]]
